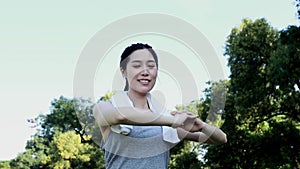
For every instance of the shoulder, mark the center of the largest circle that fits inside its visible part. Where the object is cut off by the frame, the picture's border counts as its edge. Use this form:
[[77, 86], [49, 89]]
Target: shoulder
[[102, 106], [103, 113]]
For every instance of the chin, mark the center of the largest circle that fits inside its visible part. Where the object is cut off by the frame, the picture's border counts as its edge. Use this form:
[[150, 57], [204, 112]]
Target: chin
[[144, 91]]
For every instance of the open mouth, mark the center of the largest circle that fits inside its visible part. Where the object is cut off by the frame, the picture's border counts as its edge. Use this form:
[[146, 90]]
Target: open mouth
[[144, 81]]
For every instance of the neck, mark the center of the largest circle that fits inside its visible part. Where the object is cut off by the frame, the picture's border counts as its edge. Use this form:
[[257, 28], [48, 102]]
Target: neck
[[138, 100]]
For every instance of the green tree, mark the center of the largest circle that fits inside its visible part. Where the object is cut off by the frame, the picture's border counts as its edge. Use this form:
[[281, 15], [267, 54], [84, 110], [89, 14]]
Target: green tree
[[210, 108], [284, 73], [185, 154], [63, 139], [68, 151], [260, 134], [35, 154], [5, 164]]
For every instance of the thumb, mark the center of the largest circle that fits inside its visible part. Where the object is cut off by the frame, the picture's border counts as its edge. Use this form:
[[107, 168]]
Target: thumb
[[176, 112], [192, 116]]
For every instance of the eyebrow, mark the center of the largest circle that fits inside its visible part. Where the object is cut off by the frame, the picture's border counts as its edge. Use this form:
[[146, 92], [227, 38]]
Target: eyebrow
[[139, 61]]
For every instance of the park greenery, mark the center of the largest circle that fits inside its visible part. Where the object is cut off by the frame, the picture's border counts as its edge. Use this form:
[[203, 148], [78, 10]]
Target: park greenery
[[261, 116]]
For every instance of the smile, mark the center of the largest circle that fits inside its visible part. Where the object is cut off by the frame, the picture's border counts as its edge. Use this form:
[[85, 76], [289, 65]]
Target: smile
[[144, 80]]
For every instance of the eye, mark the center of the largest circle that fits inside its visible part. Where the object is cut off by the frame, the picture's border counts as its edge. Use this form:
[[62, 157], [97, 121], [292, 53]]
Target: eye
[[151, 66], [136, 66]]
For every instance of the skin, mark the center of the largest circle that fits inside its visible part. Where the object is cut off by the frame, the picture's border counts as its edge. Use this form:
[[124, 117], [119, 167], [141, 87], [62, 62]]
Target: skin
[[141, 74]]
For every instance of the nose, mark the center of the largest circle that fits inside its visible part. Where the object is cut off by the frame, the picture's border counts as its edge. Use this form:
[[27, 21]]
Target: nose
[[145, 71]]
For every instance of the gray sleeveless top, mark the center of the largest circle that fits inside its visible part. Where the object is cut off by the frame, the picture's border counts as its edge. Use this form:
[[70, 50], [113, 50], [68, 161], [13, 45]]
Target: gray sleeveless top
[[143, 148]]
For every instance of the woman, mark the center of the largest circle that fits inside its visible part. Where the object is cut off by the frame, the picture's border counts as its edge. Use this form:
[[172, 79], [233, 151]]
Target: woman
[[137, 131]]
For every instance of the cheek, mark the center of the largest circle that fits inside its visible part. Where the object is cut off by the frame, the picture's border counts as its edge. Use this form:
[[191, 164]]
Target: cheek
[[132, 73], [154, 73]]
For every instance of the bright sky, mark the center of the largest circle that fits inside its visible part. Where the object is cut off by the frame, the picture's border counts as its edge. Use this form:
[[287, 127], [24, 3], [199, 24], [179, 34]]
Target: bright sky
[[41, 42]]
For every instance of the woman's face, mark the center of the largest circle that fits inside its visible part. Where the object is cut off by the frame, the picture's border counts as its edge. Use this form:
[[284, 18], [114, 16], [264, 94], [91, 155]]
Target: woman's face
[[141, 71]]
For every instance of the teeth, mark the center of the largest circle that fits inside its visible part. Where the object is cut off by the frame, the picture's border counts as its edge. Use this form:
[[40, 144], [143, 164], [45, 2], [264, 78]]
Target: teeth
[[144, 81]]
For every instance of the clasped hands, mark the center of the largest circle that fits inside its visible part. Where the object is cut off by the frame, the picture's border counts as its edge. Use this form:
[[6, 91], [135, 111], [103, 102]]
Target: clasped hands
[[187, 120]]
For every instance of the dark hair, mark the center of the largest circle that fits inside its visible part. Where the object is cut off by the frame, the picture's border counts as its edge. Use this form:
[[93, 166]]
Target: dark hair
[[129, 50]]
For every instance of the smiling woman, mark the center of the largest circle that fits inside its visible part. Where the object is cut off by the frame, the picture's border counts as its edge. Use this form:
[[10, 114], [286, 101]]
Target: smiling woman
[[140, 72], [137, 130], [143, 59]]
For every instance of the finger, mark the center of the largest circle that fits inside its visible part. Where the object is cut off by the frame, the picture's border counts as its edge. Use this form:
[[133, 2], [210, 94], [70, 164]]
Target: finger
[[199, 123], [176, 112], [190, 113], [193, 116]]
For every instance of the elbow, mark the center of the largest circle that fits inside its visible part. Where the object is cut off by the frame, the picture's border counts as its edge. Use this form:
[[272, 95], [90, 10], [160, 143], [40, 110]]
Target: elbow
[[105, 115], [117, 116], [219, 140], [120, 119], [222, 139]]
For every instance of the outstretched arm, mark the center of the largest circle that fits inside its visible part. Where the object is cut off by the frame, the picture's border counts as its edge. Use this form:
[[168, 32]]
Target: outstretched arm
[[199, 131], [209, 134], [106, 114]]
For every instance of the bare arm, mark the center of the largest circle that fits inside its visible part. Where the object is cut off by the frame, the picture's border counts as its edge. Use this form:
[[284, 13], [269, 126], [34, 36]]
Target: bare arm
[[106, 114], [209, 134], [199, 131], [216, 135]]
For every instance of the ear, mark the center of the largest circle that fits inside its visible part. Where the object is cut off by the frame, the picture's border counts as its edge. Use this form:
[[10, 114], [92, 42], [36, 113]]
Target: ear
[[124, 74]]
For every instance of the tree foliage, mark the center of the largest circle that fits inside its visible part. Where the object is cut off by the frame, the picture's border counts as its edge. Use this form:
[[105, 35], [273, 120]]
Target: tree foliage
[[284, 72], [5, 164], [63, 139], [210, 108], [262, 105]]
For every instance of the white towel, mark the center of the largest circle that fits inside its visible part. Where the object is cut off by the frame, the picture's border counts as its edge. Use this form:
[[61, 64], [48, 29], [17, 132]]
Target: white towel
[[121, 99]]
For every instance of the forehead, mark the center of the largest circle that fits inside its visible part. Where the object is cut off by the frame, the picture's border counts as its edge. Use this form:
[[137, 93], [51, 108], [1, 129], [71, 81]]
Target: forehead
[[141, 54]]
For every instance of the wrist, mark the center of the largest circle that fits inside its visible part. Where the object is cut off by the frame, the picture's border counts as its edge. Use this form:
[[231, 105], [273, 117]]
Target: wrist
[[208, 129], [176, 122], [201, 124]]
